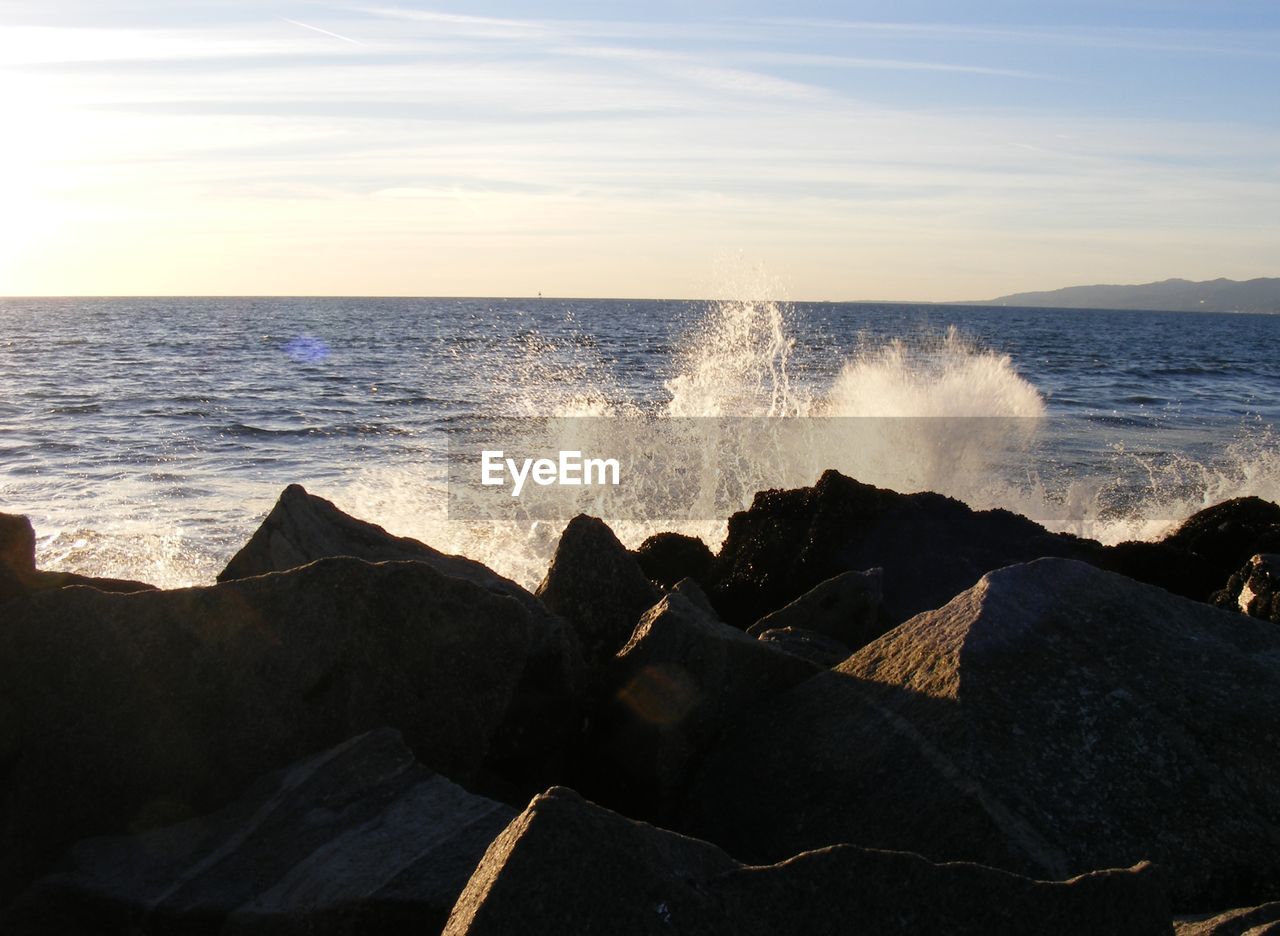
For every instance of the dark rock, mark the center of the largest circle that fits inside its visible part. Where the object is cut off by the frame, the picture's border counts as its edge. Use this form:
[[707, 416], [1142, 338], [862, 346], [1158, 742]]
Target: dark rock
[[302, 528], [809, 645], [18, 572], [17, 544], [127, 711], [17, 555], [1254, 921], [359, 838], [847, 608], [1208, 547], [690, 589], [666, 558], [597, 586], [527, 752], [1255, 589], [930, 547], [1052, 719], [679, 681], [631, 878]]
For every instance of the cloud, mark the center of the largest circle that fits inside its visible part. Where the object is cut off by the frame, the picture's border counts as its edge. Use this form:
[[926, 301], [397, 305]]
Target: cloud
[[639, 138]]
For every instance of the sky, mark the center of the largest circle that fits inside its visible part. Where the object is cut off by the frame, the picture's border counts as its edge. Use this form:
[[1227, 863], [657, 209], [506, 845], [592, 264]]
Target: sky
[[914, 150]]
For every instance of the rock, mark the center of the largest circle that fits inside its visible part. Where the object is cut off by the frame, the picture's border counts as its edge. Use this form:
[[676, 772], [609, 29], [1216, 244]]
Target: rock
[[630, 878], [597, 586], [679, 681], [846, 607], [17, 544], [1052, 719], [302, 528], [1255, 589], [1254, 921], [17, 555], [690, 589], [18, 572], [528, 750], [1208, 547], [127, 711], [360, 838], [930, 547], [809, 645], [666, 558]]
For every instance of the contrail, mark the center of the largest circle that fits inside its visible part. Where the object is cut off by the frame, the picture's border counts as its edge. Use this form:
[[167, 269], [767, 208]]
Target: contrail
[[324, 31]]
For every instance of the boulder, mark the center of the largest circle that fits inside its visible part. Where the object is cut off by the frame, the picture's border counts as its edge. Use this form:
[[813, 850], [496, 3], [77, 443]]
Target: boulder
[[360, 838], [18, 572], [17, 553], [528, 751], [1255, 589], [1253, 921], [1052, 719], [1208, 547], [930, 547], [690, 589], [666, 558], [302, 528], [597, 586], [847, 608], [677, 683], [817, 648], [630, 878], [121, 712]]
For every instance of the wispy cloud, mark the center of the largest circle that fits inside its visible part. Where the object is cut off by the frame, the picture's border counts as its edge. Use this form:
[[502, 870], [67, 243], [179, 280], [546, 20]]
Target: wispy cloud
[[324, 32], [377, 125]]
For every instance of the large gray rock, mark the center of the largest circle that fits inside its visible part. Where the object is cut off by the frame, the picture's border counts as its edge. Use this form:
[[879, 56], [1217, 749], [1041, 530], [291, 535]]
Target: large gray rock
[[568, 866], [126, 711], [597, 586], [360, 838], [847, 608], [1052, 719], [18, 572], [680, 680], [1253, 921]]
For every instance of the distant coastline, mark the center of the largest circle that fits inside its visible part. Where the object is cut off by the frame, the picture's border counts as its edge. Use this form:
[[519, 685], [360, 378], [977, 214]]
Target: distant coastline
[[1171, 295]]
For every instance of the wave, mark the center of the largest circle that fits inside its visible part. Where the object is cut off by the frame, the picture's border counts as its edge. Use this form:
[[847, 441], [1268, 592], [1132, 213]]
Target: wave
[[929, 412]]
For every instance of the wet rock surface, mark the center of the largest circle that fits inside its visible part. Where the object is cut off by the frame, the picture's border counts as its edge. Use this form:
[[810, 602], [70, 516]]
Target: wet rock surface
[[360, 838], [1255, 589], [666, 558], [930, 547]]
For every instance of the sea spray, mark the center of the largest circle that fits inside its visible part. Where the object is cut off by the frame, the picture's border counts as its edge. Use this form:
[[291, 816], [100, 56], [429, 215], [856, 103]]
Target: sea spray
[[931, 411], [1105, 425]]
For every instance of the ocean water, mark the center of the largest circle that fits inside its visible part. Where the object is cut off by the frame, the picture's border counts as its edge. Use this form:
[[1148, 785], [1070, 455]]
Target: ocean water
[[146, 438]]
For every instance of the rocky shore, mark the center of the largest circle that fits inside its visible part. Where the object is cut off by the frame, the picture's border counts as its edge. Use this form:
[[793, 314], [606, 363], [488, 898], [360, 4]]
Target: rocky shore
[[867, 712]]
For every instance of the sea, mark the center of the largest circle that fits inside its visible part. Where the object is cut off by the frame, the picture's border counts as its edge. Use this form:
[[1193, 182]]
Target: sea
[[146, 438]]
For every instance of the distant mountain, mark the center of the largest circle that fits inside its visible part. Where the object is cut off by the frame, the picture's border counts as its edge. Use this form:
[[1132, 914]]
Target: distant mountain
[[1173, 295]]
